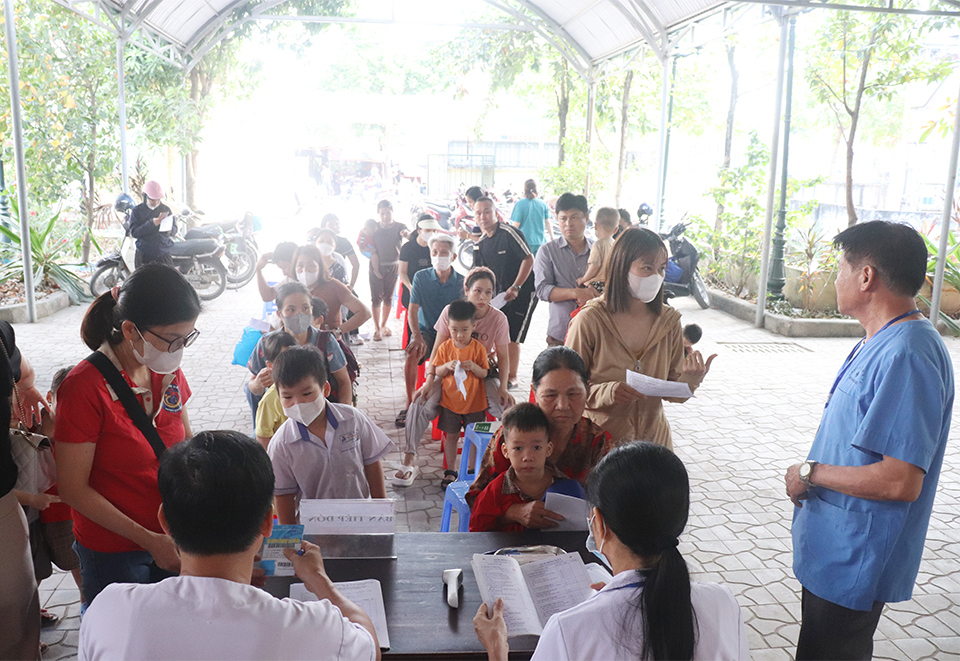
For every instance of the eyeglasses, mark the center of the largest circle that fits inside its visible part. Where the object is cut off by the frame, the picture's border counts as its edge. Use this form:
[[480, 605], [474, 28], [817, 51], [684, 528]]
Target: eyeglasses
[[178, 343]]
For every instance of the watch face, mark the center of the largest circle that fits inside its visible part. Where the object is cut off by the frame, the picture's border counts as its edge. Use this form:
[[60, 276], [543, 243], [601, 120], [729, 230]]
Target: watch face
[[804, 471]]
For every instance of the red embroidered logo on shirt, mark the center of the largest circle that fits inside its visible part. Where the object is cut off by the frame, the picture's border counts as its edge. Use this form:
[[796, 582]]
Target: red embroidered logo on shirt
[[171, 399]]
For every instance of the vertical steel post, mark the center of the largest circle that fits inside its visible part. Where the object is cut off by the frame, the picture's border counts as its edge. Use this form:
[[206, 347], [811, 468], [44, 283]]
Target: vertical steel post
[[591, 109], [945, 220], [662, 165], [25, 245], [771, 178], [122, 107], [778, 275]]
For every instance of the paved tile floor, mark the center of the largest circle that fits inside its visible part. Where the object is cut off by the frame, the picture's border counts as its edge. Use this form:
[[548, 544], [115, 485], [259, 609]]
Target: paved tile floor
[[756, 413]]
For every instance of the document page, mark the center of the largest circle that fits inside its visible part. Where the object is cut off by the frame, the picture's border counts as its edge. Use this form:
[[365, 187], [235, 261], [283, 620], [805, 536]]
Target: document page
[[652, 387], [499, 301], [574, 511], [366, 594], [499, 577], [557, 584], [166, 224]]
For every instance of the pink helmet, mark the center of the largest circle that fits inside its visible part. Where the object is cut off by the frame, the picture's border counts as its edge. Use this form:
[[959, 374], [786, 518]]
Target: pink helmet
[[153, 190]]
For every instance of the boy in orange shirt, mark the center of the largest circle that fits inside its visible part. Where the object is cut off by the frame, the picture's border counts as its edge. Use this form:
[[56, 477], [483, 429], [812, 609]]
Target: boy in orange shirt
[[464, 357]]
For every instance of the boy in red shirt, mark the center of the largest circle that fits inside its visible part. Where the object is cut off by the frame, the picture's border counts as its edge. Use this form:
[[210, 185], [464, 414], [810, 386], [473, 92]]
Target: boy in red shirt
[[530, 476], [465, 403]]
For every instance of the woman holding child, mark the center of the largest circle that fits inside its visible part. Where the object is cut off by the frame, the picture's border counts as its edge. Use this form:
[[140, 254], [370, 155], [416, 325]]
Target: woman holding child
[[107, 467], [309, 266], [577, 443], [640, 499], [629, 327]]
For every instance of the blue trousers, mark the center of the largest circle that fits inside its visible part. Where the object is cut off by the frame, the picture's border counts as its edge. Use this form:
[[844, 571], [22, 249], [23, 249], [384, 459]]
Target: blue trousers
[[98, 570]]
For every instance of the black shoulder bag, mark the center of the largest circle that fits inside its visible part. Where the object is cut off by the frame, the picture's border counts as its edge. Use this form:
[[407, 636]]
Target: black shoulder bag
[[129, 400]]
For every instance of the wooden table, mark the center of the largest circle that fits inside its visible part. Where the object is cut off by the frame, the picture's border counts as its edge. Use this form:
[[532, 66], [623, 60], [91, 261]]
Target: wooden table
[[421, 624]]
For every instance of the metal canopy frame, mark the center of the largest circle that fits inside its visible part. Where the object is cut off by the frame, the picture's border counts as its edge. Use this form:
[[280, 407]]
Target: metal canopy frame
[[646, 21]]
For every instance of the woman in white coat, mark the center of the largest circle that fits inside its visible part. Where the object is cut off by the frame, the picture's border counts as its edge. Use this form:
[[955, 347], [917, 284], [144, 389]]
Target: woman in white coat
[[640, 497]]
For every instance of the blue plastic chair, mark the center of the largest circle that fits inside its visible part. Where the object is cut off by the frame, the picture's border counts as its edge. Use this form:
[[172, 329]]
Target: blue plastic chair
[[456, 496]]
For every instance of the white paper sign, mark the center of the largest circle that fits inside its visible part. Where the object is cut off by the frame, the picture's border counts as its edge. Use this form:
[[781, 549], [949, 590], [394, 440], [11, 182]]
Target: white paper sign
[[652, 387], [499, 301], [460, 378], [347, 517], [167, 223], [573, 510]]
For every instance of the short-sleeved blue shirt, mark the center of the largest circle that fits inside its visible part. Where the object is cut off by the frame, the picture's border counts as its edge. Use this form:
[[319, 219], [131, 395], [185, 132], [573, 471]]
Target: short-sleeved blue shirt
[[894, 399], [432, 295]]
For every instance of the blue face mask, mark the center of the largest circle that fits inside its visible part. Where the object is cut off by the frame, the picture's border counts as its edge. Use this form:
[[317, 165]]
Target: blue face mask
[[592, 544]]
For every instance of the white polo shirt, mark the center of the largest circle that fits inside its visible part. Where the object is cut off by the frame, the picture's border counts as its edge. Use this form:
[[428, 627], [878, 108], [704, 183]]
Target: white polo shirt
[[592, 629], [192, 617], [329, 467]]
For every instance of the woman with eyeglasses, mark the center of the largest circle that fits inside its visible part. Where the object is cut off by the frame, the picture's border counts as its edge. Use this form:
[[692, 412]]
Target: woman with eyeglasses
[[107, 466]]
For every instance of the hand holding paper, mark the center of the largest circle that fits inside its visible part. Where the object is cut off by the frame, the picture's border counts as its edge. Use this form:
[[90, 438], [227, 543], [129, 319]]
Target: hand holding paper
[[652, 387], [499, 301]]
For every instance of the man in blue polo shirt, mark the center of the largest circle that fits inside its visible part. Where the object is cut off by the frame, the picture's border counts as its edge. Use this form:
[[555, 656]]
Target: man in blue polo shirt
[[433, 289], [864, 496]]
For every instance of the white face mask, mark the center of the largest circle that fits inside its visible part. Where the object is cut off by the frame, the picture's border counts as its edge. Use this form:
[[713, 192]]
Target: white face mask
[[426, 234], [307, 278], [591, 544], [151, 204], [645, 289], [161, 362], [306, 412], [297, 323], [325, 249], [441, 262]]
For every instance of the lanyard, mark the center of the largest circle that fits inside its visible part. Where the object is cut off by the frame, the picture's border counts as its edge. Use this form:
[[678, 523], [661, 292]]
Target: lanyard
[[856, 351]]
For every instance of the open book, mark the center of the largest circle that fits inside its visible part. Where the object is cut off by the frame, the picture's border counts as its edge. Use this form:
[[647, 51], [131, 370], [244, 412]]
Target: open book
[[367, 594], [533, 592]]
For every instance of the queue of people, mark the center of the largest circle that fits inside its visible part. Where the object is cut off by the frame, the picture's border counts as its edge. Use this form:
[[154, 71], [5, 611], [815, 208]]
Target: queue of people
[[149, 496]]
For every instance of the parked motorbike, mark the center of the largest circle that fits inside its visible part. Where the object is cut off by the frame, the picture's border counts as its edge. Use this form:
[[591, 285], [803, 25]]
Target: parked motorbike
[[197, 259], [441, 211], [683, 274], [241, 251]]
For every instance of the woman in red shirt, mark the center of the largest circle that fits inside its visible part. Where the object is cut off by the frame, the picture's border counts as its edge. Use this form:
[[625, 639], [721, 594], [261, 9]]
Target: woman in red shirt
[[107, 469]]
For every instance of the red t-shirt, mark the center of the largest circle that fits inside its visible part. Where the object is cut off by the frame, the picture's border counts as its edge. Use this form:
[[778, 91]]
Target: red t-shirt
[[491, 504], [124, 469]]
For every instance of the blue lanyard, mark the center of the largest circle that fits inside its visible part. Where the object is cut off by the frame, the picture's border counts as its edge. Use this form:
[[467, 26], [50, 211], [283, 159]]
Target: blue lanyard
[[856, 349]]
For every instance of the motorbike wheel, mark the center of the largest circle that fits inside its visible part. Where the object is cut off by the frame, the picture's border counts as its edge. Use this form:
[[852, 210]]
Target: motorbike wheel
[[106, 278], [208, 277], [240, 262], [465, 254], [699, 290]]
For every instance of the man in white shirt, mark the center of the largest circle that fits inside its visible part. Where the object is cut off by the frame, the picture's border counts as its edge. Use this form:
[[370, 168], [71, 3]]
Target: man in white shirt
[[217, 492]]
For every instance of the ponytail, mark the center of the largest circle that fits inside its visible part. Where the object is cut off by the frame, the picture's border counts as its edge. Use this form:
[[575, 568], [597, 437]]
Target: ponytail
[[643, 492], [100, 323], [669, 623], [153, 295]]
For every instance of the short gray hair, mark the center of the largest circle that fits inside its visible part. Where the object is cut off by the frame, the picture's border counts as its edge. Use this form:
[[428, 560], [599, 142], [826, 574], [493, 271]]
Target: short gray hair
[[443, 238]]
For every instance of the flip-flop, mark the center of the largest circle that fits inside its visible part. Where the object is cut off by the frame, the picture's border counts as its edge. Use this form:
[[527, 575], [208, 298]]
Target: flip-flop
[[376, 336], [386, 332], [48, 619], [401, 420], [449, 477], [411, 473]]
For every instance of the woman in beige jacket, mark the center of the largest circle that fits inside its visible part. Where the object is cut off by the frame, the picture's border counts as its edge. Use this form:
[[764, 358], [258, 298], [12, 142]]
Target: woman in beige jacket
[[629, 327]]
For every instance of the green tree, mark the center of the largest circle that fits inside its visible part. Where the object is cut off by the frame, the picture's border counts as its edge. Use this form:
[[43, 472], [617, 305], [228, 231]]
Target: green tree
[[868, 57]]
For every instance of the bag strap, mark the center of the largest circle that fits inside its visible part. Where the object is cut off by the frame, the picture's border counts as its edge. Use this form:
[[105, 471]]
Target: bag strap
[[129, 400]]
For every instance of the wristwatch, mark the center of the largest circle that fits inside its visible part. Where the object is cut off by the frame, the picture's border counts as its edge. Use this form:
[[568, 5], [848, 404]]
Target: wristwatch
[[513, 287], [806, 472]]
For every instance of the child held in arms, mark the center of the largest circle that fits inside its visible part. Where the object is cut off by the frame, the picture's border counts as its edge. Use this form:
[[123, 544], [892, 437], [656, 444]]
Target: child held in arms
[[530, 476], [460, 358], [605, 224], [323, 450]]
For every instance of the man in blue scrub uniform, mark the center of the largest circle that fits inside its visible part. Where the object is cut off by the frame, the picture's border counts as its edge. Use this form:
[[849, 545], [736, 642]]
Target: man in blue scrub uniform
[[864, 496]]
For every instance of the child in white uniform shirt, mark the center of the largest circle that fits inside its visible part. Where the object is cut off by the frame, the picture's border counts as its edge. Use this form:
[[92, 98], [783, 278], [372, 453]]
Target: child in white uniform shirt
[[640, 496], [216, 492], [323, 450]]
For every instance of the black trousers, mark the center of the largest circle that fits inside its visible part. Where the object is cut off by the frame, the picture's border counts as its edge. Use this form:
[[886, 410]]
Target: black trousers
[[829, 631]]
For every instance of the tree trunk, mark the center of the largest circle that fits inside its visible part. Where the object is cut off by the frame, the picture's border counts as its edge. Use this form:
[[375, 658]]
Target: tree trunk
[[85, 244], [563, 106], [854, 120], [624, 127], [728, 137], [191, 179]]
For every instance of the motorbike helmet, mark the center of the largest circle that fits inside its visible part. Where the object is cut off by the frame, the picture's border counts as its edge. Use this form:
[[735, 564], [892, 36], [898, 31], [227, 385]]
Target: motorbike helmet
[[153, 190], [124, 203], [644, 212]]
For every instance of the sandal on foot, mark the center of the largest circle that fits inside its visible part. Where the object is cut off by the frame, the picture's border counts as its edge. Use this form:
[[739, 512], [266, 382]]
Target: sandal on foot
[[513, 384], [48, 619], [386, 332], [401, 420], [376, 336], [409, 474], [449, 477]]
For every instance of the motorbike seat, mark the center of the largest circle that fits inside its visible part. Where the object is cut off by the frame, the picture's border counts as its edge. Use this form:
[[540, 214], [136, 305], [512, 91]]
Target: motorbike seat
[[211, 229], [192, 247]]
